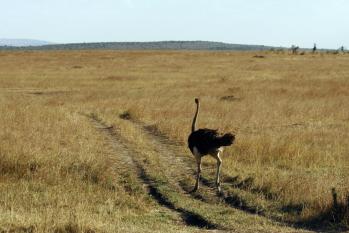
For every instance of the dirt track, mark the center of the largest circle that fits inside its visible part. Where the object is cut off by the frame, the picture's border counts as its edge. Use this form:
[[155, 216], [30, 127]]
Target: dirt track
[[178, 169], [128, 159]]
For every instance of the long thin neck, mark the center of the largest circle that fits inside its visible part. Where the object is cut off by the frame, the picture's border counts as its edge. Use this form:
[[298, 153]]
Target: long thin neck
[[195, 116]]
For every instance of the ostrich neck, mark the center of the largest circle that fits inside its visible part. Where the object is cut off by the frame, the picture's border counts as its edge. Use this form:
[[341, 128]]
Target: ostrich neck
[[194, 119]]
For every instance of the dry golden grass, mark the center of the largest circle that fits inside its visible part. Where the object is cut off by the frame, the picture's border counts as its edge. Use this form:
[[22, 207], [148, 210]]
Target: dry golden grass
[[289, 113]]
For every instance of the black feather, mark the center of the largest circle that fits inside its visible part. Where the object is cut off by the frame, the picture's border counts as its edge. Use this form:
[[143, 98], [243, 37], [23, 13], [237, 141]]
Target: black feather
[[227, 139], [207, 140]]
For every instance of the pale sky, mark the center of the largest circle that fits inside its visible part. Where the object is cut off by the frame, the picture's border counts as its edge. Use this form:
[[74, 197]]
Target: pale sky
[[267, 22]]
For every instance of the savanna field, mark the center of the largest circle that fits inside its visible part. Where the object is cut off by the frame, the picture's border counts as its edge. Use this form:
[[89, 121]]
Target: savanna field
[[96, 141]]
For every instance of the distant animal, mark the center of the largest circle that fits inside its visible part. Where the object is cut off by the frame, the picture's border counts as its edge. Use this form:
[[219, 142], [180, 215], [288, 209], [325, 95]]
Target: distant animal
[[203, 142], [294, 49]]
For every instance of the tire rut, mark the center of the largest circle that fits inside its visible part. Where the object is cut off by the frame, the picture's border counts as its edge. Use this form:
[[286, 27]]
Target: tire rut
[[181, 166], [128, 160]]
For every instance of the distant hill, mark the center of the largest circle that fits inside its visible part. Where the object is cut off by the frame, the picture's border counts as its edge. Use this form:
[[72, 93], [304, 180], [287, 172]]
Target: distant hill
[[160, 45], [22, 42]]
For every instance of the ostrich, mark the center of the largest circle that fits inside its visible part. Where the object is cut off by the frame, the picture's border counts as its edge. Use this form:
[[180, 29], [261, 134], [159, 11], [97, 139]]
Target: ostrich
[[207, 142]]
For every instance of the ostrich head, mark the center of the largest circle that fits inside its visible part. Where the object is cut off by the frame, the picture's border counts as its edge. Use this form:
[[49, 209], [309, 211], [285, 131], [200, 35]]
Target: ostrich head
[[197, 100]]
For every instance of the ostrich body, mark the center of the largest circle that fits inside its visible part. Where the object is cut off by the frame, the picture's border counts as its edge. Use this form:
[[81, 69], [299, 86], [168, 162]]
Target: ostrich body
[[203, 142]]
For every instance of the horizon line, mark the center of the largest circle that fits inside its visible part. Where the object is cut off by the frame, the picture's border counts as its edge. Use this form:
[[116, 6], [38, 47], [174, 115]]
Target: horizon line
[[148, 41]]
